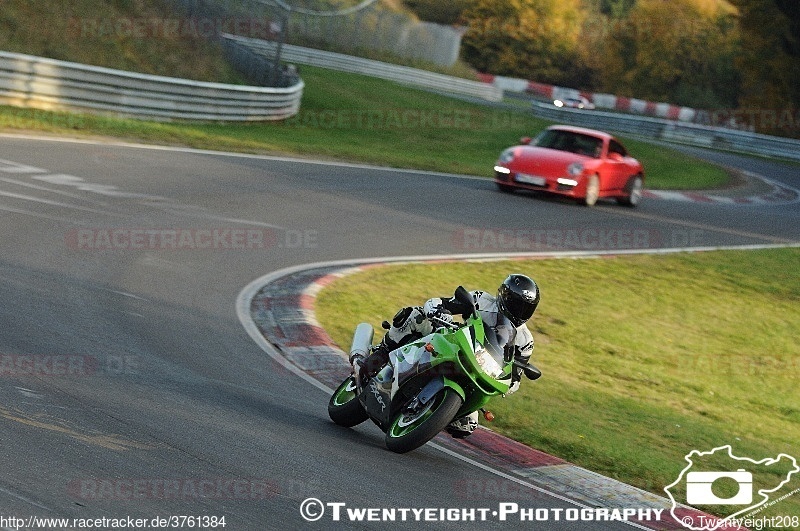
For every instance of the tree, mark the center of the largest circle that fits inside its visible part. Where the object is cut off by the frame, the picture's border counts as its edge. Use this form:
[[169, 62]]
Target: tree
[[448, 12], [616, 8], [670, 51], [536, 39], [770, 58]]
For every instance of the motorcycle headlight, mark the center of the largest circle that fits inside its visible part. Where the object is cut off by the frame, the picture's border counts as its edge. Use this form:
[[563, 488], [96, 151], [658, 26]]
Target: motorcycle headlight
[[487, 363], [575, 169]]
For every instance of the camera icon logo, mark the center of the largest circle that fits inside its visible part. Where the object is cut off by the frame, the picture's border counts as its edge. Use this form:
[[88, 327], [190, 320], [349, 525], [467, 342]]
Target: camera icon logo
[[736, 485], [699, 491]]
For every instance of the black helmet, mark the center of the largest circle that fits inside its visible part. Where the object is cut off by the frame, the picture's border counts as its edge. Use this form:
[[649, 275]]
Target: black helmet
[[517, 298]]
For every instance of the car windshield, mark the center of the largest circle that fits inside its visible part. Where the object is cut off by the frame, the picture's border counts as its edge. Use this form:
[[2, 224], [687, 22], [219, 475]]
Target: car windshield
[[587, 145]]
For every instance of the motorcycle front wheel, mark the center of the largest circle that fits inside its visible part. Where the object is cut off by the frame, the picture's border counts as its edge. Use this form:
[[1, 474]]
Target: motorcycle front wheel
[[344, 408], [413, 427]]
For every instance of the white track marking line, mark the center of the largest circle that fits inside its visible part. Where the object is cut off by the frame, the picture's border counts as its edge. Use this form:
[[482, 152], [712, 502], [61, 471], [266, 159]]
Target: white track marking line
[[276, 158], [9, 166], [36, 214], [50, 190], [59, 204], [207, 215], [23, 498], [700, 226], [126, 294]]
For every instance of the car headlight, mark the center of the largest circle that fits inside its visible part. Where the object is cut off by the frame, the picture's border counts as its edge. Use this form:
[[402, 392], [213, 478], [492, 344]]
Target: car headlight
[[506, 156], [575, 169]]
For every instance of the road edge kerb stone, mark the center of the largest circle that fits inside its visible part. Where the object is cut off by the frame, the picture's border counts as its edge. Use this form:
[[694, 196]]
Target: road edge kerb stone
[[777, 194]]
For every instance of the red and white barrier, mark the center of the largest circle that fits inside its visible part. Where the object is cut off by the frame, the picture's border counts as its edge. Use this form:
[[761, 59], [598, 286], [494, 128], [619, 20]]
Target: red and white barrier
[[601, 101]]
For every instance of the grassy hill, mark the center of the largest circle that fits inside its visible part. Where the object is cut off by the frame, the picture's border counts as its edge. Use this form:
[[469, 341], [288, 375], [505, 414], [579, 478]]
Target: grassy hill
[[137, 35], [343, 116]]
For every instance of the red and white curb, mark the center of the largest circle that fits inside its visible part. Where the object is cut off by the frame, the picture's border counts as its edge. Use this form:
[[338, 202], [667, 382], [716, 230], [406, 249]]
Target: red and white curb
[[277, 311], [602, 101], [779, 194]]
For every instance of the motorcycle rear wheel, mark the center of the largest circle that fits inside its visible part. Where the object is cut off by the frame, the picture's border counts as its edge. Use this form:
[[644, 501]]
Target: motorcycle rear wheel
[[344, 408], [411, 429]]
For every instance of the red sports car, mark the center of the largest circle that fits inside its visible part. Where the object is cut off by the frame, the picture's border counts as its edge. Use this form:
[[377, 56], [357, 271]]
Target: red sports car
[[572, 161]]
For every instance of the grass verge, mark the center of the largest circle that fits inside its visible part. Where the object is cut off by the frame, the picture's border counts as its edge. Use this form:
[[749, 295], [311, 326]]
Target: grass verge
[[363, 119], [141, 36], [644, 357]]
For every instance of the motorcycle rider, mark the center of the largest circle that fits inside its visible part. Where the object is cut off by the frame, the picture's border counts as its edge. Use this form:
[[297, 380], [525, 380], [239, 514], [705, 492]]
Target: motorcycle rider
[[516, 300]]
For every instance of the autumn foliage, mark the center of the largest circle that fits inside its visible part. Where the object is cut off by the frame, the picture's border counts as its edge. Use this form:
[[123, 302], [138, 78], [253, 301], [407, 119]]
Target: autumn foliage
[[707, 54]]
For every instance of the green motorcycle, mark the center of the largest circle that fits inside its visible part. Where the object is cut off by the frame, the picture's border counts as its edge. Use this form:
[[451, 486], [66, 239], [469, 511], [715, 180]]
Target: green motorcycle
[[432, 381]]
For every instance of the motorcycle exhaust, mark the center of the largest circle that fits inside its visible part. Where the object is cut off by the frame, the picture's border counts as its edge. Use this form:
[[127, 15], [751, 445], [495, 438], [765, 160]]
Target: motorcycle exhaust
[[362, 340]]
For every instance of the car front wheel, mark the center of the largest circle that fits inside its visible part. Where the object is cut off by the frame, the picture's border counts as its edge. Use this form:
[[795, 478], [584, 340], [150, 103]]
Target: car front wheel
[[592, 190]]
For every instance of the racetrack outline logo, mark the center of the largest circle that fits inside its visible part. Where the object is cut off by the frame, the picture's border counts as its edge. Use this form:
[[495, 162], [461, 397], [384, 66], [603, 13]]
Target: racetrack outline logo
[[698, 488]]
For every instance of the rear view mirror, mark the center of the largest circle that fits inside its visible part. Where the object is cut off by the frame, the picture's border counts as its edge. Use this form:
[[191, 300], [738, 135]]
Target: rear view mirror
[[530, 372], [525, 140], [463, 296]]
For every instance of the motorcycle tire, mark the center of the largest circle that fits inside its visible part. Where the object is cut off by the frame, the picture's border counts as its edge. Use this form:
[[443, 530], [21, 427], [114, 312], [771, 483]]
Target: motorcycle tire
[[344, 408], [410, 431]]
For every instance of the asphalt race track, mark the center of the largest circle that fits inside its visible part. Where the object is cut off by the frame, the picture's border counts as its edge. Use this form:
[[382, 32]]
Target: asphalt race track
[[128, 387]]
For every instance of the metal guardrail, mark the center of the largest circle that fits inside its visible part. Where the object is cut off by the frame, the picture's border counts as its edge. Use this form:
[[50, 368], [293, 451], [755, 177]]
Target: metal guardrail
[[672, 131], [358, 65], [257, 68], [42, 83]]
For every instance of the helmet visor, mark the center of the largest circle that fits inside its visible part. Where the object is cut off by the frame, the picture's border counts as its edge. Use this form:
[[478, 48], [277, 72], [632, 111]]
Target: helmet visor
[[519, 308]]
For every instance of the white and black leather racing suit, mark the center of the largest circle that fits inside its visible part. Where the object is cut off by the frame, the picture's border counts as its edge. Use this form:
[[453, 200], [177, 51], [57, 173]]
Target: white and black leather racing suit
[[413, 322]]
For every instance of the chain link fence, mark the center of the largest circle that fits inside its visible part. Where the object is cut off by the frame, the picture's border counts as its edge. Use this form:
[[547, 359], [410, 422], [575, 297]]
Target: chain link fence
[[378, 30], [372, 29], [214, 18]]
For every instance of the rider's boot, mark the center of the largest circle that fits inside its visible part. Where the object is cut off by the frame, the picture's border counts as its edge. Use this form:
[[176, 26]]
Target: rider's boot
[[464, 426]]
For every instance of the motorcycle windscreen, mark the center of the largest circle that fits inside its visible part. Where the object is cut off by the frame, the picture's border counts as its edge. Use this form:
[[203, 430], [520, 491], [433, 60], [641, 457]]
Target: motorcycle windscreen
[[498, 347]]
